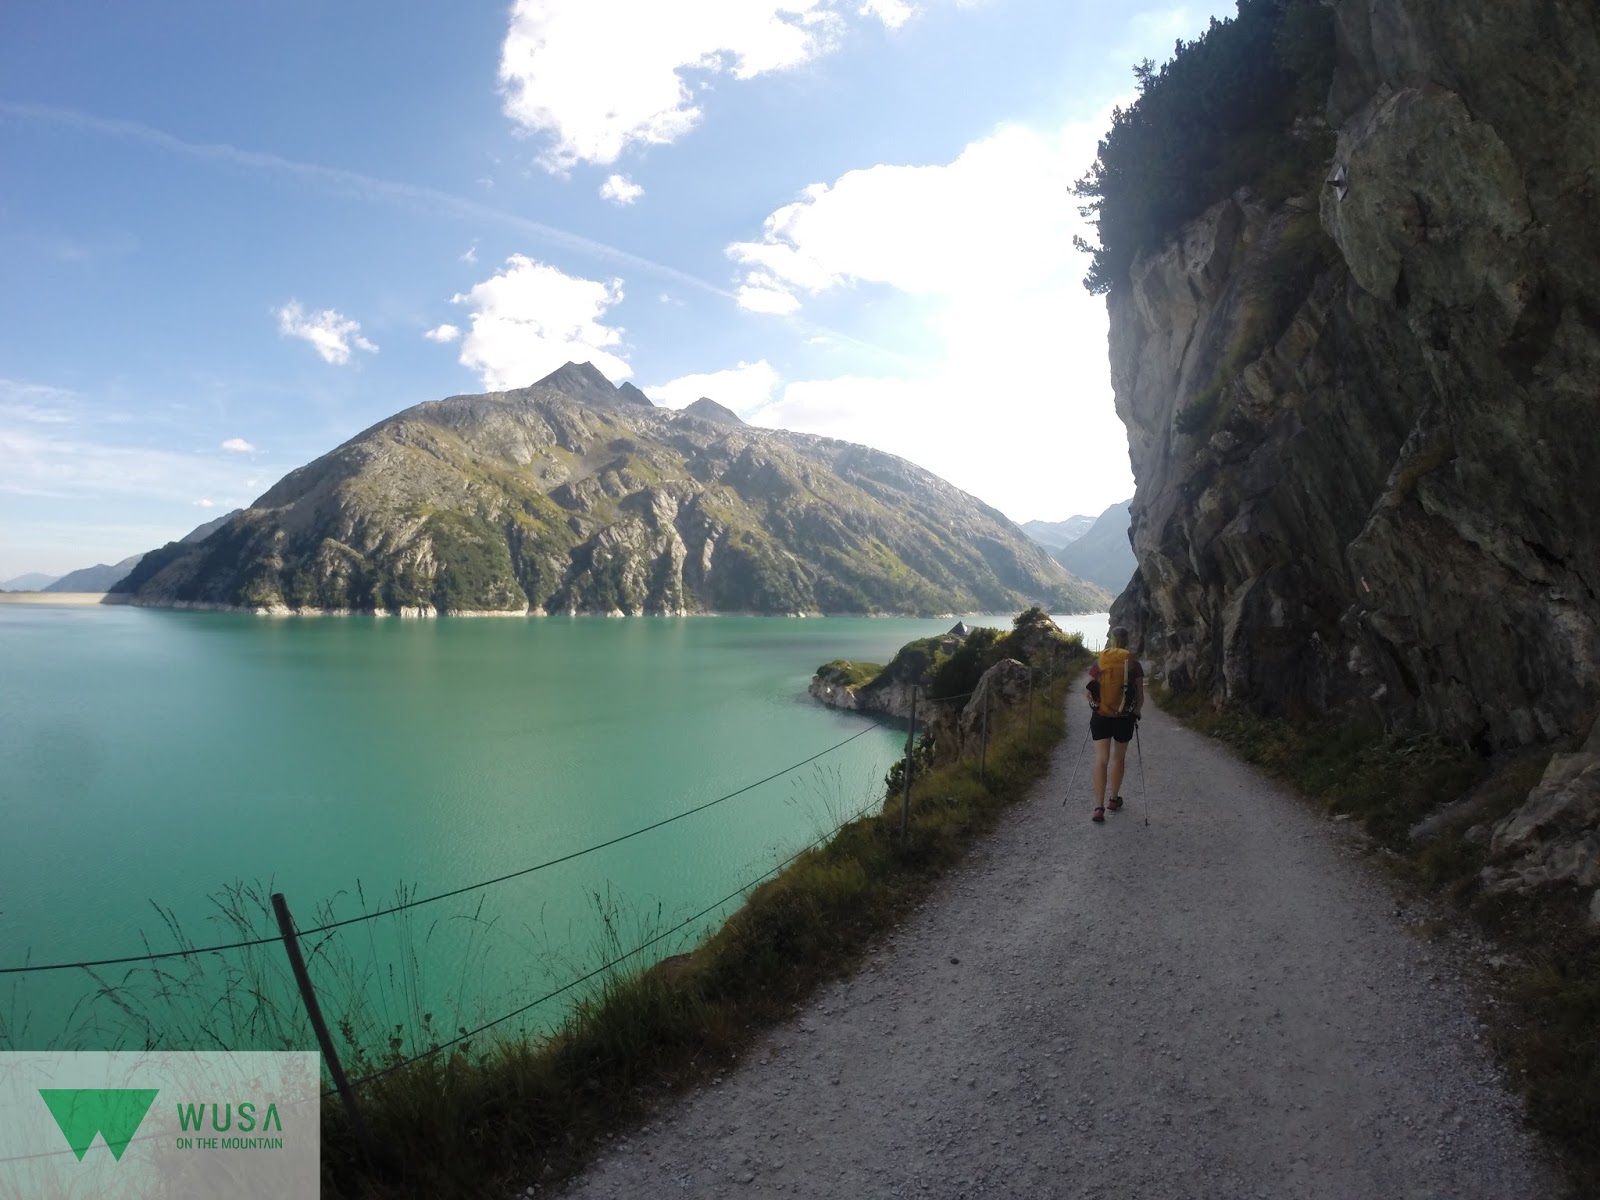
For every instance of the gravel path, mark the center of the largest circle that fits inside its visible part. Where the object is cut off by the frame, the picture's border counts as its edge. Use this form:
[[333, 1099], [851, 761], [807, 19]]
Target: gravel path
[[1220, 1003]]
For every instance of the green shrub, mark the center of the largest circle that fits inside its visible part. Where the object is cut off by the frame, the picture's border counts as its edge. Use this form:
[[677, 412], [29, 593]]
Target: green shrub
[[1195, 419], [845, 673], [959, 674]]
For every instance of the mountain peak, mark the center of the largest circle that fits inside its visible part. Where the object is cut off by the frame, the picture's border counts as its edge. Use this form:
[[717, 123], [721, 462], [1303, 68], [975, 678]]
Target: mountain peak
[[528, 507], [582, 382], [709, 410]]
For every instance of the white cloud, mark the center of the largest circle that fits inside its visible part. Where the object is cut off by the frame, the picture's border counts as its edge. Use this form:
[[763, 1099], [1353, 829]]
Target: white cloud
[[203, 503], [744, 388], [442, 333], [893, 13], [470, 254], [762, 298], [1033, 442], [1000, 216], [330, 333], [238, 446], [1161, 27], [531, 318], [983, 246], [598, 76], [619, 189]]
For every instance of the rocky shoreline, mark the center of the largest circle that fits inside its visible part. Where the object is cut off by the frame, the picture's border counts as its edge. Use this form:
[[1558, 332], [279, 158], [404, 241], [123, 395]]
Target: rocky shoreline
[[428, 612]]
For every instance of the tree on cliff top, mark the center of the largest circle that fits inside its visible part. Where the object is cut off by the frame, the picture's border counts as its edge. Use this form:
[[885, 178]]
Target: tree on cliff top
[[1220, 114]]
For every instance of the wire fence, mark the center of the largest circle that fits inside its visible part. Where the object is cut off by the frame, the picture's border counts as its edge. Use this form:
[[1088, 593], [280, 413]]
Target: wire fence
[[325, 927], [289, 934], [460, 891], [617, 961]]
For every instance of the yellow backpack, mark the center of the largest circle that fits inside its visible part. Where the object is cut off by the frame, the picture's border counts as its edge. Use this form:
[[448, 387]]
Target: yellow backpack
[[1116, 692]]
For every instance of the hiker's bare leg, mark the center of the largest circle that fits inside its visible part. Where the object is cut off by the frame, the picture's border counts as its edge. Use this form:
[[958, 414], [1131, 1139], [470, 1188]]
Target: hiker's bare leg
[[1119, 757], [1102, 750]]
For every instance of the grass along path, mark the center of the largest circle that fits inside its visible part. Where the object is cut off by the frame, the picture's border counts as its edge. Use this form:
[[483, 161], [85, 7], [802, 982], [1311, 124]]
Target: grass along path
[[1221, 1003]]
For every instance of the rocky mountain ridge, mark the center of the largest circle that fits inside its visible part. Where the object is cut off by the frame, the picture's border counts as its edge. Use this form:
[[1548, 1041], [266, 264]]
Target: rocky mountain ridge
[[1053, 535], [1103, 554], [1360, 419], [577, 496]]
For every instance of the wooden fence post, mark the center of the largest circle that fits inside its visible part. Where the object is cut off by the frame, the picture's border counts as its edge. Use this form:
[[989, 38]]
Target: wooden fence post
[[983, 760], [1030, 704], [297, 964], [905, 799]]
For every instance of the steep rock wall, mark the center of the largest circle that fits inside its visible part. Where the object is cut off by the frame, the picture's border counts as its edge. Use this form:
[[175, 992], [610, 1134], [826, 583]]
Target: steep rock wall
[[1363, 424]]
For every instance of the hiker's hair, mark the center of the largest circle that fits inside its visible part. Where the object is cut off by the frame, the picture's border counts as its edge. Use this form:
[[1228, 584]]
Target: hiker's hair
[[1119, 636]]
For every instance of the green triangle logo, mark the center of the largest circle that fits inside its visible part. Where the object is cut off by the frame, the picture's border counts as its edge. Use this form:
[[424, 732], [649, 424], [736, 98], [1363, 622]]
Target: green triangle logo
[[114, 1113]]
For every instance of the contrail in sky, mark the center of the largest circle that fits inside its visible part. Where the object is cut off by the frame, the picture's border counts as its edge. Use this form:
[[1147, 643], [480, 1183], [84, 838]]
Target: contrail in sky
[[339, 179], [389, 191]]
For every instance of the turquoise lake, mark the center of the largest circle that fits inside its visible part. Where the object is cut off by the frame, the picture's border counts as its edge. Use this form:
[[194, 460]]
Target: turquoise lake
[[150, 759]]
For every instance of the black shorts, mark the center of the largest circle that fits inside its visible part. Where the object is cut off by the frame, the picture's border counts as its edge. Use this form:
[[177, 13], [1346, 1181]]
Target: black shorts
[[1117, 728]]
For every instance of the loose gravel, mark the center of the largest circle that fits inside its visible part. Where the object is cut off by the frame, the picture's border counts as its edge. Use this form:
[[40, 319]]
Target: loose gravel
[[1219, 1003]]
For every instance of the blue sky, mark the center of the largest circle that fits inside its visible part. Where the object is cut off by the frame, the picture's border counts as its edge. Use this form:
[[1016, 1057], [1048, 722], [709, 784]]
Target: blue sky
[[234, 235]]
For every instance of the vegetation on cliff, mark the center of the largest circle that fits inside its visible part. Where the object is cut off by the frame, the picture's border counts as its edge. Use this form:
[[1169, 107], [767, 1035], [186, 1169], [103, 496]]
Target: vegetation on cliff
[[949, 665], [1033, 640], [849, 674], [574, 496], [1238, 105]]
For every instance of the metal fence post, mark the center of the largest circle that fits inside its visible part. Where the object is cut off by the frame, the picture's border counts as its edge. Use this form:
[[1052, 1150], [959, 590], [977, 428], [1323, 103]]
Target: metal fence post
[[905, 799], [297, 964]]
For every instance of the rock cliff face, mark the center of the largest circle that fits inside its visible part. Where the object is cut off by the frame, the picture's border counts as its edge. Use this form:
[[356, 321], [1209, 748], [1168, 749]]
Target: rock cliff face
[[1363, 423], [1554, 838], [576, 496]]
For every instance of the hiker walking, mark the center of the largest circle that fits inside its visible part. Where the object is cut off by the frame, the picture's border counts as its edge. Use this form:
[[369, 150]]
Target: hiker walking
[[1116, 699]]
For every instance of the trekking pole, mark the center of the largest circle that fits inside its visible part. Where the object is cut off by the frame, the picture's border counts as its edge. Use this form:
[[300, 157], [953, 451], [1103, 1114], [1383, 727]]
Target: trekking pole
[[1071, 783], [1144, 790]]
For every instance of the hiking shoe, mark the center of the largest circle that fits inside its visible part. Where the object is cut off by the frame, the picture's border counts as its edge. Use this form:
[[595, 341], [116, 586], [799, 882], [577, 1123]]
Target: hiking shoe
[[1114, 803], [1099, 813]]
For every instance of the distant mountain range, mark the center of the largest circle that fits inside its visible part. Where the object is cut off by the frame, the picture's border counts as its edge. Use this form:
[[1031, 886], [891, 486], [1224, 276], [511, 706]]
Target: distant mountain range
[[1053, 535], [574, 495], [97, 578], [1103, 555], [101, 576], [32, 582]]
